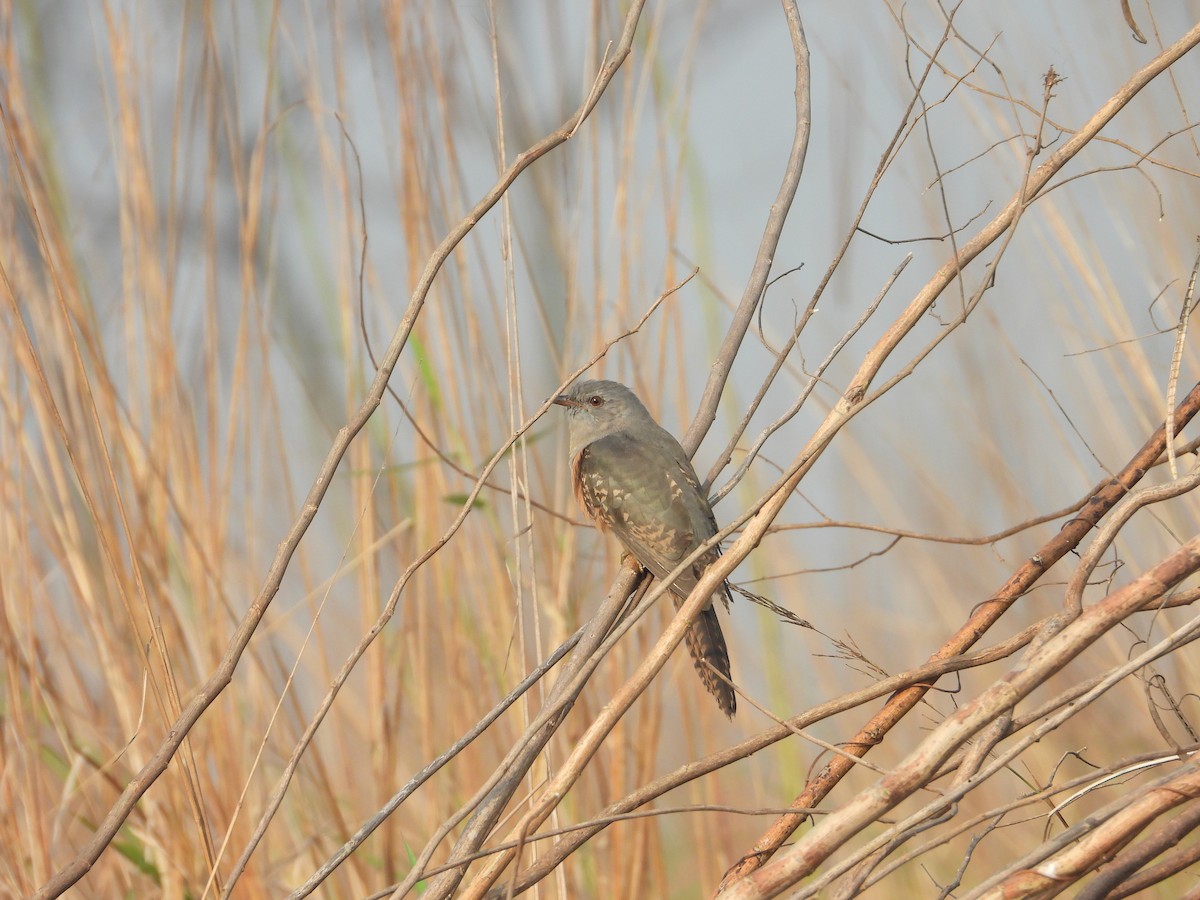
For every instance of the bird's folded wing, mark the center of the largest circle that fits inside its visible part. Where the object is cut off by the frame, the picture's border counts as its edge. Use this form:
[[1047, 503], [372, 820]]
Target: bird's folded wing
[[650, 502]]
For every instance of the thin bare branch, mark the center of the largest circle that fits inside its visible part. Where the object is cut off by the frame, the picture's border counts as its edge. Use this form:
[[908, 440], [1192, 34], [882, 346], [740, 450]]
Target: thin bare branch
[[765, 258]]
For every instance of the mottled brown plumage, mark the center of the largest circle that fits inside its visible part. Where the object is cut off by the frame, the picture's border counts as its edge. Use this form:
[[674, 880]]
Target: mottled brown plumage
[[634, 479]]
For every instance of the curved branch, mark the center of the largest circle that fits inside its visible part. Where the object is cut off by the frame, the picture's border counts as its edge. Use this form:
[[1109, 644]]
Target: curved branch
[[765, 258]]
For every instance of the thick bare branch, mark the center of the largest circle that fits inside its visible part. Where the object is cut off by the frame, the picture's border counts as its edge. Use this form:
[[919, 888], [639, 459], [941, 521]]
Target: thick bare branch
[[802, 858]]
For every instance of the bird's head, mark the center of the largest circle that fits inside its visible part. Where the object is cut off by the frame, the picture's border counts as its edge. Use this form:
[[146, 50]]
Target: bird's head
[[596, 409]]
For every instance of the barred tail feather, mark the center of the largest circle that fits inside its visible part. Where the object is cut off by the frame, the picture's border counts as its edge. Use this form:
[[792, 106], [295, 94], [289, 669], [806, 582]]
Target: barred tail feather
[[706, 643]]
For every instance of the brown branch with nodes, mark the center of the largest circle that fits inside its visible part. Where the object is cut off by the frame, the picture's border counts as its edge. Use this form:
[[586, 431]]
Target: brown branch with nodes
[[914, 772]]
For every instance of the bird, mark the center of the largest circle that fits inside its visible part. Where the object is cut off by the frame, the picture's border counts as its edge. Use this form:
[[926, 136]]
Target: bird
[[632, 477]]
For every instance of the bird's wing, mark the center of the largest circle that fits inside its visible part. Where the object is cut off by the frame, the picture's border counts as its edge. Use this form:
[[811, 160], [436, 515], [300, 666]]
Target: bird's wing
[[648, 496]]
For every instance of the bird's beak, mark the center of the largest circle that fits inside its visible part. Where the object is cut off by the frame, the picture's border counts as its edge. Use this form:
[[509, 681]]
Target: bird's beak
[[564, 400]]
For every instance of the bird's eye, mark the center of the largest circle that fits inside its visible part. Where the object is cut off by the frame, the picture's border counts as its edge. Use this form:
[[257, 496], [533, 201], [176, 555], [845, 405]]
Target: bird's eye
[[596, 400]]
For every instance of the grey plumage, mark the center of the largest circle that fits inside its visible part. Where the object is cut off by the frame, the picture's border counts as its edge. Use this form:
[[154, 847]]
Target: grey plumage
[[635, 480]]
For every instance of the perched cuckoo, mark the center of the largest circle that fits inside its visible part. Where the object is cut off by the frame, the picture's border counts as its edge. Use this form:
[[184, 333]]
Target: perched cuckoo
[[634, 479]]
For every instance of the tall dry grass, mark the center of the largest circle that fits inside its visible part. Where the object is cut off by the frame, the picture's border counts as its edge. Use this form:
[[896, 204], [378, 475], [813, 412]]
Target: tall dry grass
[[213, 222]]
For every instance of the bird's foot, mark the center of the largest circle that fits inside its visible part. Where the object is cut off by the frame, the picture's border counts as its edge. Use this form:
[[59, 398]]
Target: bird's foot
[[629, 561]]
